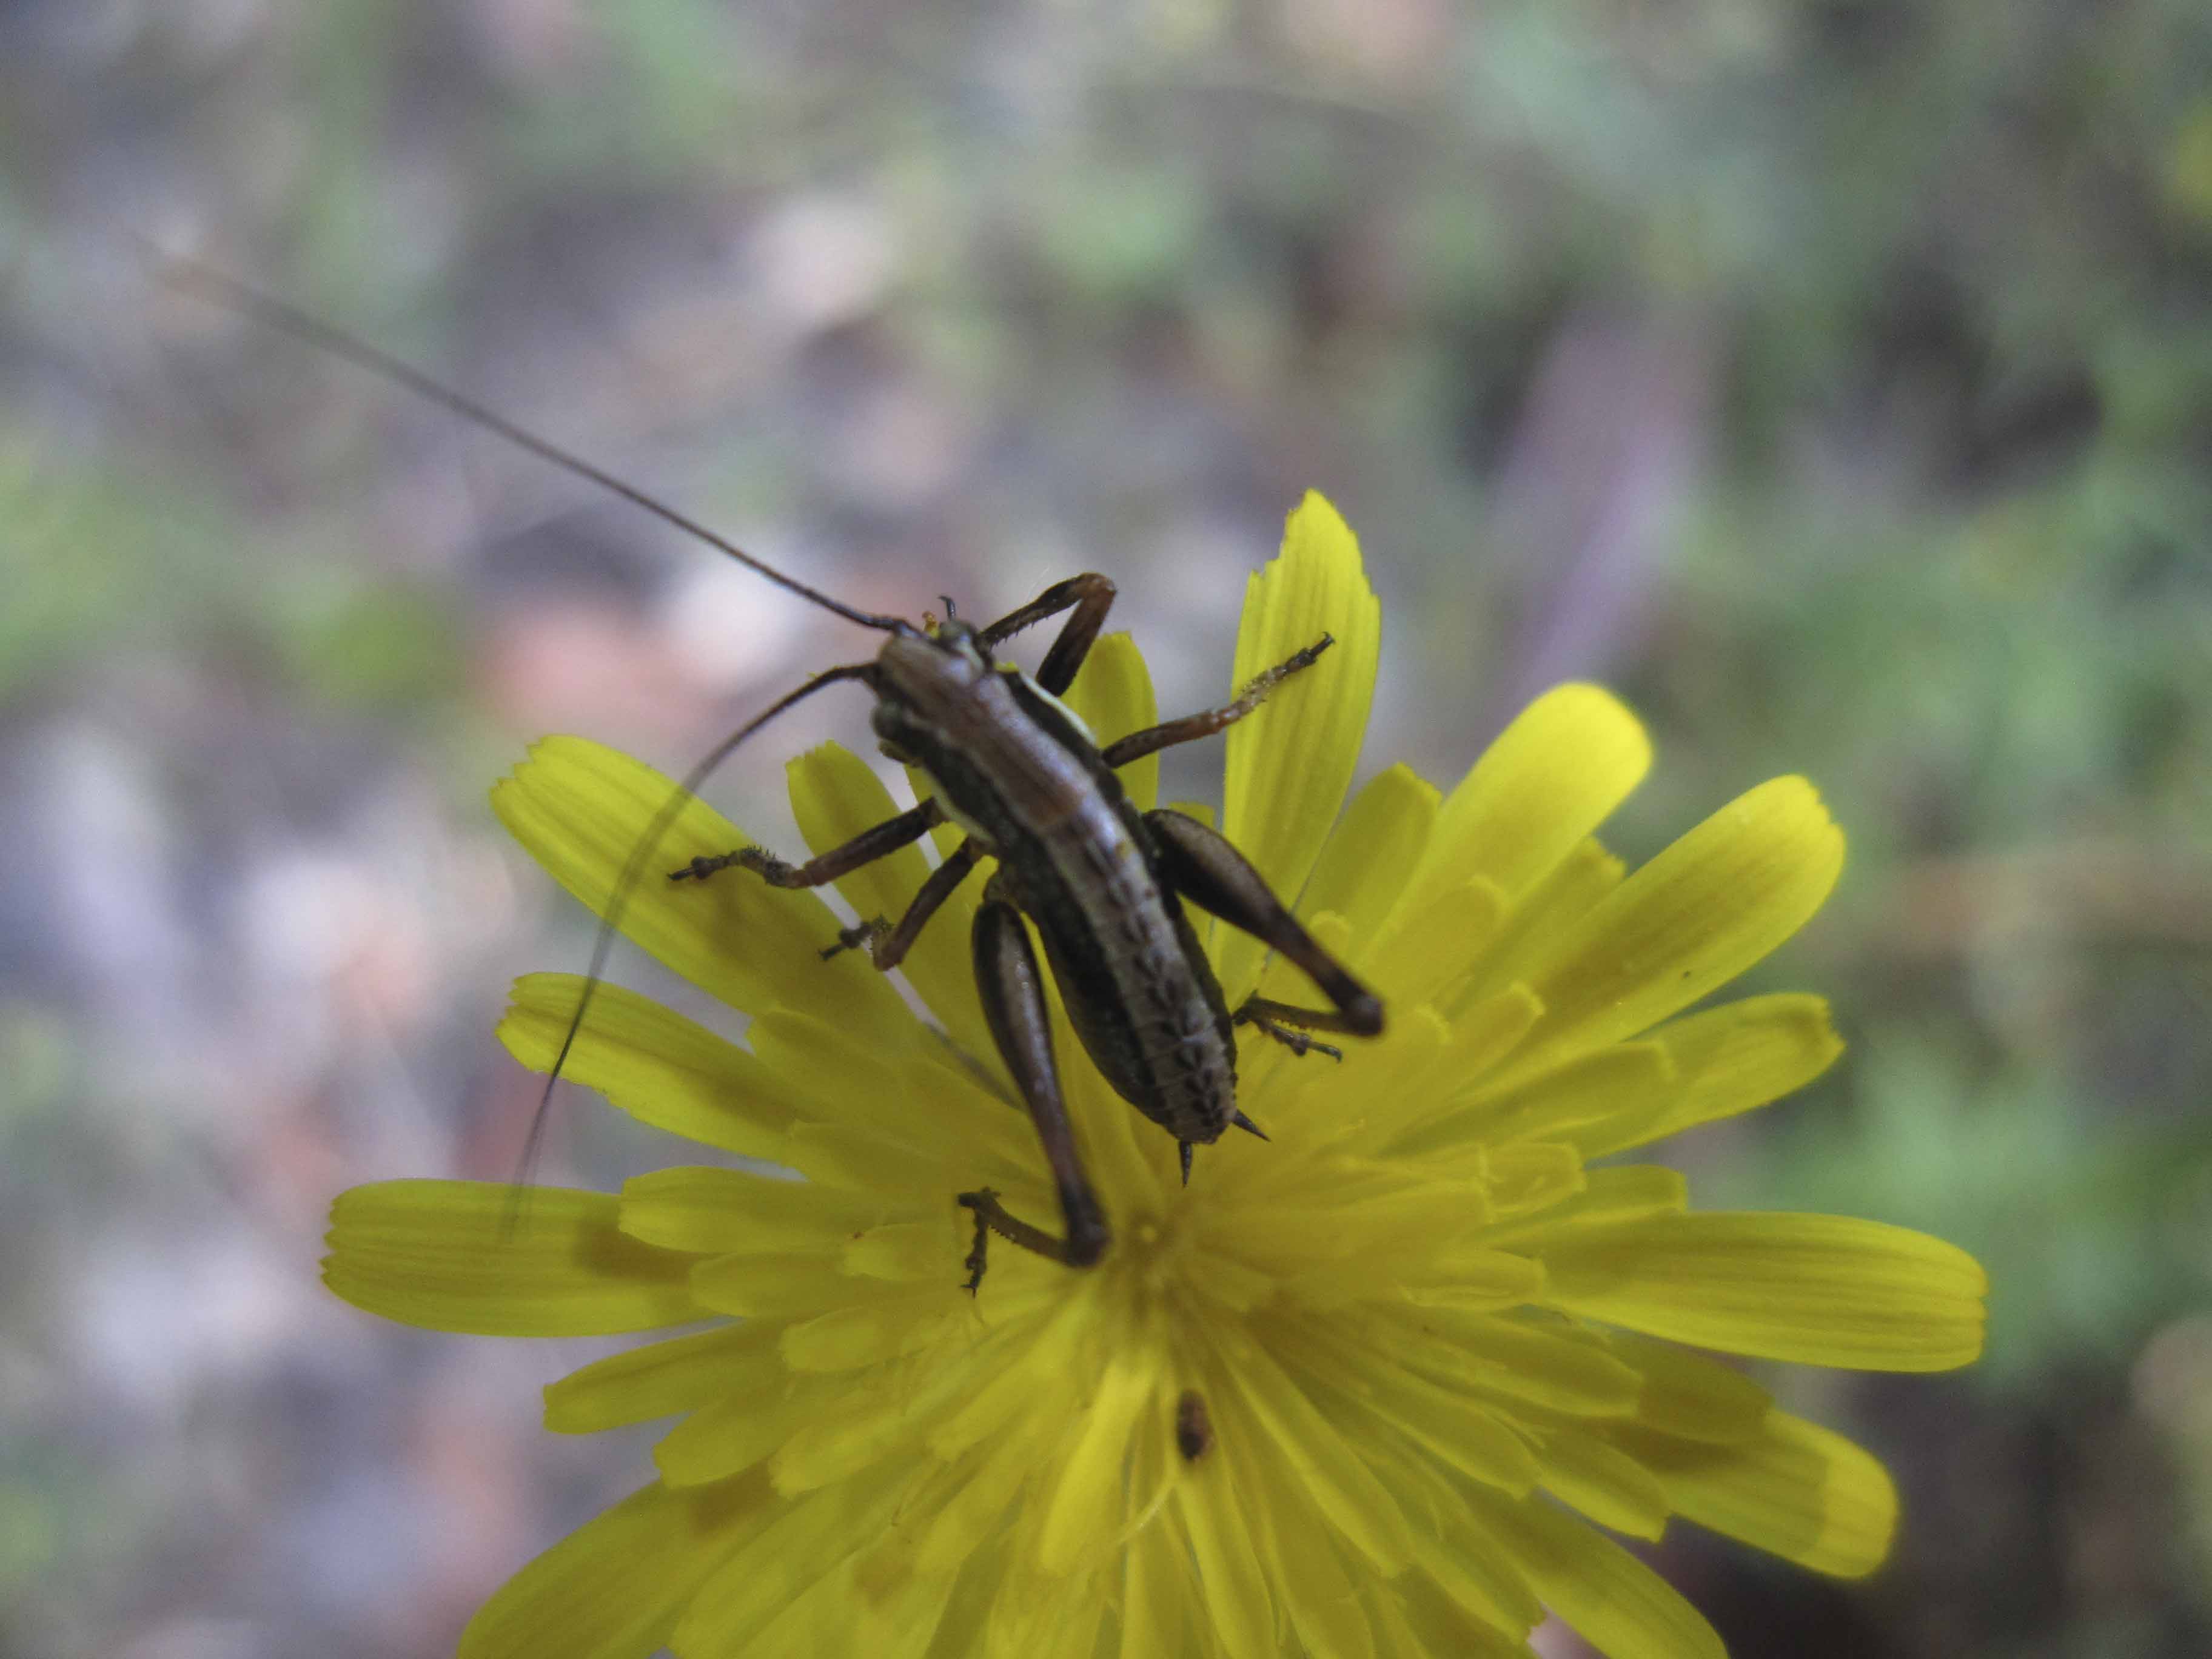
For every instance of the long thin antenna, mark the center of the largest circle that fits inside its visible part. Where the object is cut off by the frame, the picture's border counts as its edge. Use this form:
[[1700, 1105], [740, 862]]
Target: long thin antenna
[[189, 275], [632, 871]]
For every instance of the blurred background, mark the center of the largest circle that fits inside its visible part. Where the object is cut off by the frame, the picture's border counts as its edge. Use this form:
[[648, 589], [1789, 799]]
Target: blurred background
[[1834, 379]]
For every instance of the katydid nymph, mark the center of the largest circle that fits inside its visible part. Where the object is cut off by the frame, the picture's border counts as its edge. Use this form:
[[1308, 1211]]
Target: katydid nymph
[[1103, 885]]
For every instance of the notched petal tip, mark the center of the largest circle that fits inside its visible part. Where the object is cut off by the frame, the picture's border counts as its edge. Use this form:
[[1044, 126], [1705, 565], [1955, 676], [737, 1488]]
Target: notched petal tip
[[1291, 762], [498, 1261]]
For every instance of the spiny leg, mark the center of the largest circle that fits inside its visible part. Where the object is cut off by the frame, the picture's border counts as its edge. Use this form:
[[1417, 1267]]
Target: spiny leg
[[1020, 1024], [1289, 1025], [871, 844], [1014, 1005], [1205, 724], [1205, 868], [1091, 596], [888, 946]]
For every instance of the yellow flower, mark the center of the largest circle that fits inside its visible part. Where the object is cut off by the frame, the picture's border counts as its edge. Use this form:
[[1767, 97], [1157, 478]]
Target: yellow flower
[[1423, 1324]]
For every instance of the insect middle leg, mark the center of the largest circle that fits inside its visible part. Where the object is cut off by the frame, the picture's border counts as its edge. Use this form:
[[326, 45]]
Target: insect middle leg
[[887, 946]]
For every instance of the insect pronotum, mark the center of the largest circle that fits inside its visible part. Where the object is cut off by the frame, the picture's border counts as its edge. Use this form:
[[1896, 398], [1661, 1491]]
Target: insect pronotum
[[1103, 885]]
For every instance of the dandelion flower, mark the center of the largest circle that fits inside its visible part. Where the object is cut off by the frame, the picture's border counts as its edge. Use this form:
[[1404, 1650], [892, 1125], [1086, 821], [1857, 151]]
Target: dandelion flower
[[1383, 1384]]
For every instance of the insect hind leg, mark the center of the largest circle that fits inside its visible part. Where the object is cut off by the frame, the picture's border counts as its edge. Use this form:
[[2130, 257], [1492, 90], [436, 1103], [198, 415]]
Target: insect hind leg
[[1014, 1006], [1203, 868]]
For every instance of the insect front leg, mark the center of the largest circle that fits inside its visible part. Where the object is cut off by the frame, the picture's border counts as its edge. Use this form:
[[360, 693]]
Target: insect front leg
[[1206, 869], [871, 844], [1091, 595], [1014, 1003], [1206, 722], [887, 946]]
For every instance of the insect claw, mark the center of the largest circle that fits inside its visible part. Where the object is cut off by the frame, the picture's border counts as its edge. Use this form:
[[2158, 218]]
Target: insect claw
[[1248, 1125], [977, 1255], [1183, 1147], [863, 933]]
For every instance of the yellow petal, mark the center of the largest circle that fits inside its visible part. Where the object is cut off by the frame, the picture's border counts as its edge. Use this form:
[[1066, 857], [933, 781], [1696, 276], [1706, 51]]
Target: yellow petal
[[893, 1093], [905, 1250], [1478, 1038], [1055, 1616], [1530, 1176], [1464, 1560], [971, 1496], [885, 1411], [1603, 1482], [658, 1379], [1619, 1606], [710, 1212], [1323, 1460], [859, 1158], [1373, 852], [760, 1408], [1157, 1602], [1422, 1613], [1590, 1088], [1795, 1490], [962, 1629], [1688, 1395], [1421, 951], [1551, 778], [1452, 1275], [1291, 762], [657, 1065], [615, 1587], [583, 811], [845, 1339], [782, 1287], [1113, 696], [1691, 920], [1609, 1197], [500, 1261], [1455, 1426], [1302, 1554], [1563, 898], [772, 1567], [836, 796], [1006, 1364], [1817, 1290], [1217, 1535], [1548, 1364], [834, 1616], [1077, 1510], [1729, 1059]]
